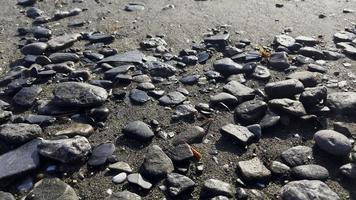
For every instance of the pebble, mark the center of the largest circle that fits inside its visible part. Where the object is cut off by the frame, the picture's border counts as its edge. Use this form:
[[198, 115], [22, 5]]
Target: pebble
[[138, 130], [240, 133], [121, 167], [138, 180], [310, 172], [215, 187], [156, 163], [120, 178], [253, 170], [298, 155], [333, 142], [101, 154]]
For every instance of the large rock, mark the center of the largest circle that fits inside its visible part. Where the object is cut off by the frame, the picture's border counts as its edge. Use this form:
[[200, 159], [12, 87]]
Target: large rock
[[286, 88], [307, 190], [333, 142], [138, 130], [65, 150], [79, 95], [156, 163], [19, 133], [253, 170], [342, 102], [19, 161], [52, 188]]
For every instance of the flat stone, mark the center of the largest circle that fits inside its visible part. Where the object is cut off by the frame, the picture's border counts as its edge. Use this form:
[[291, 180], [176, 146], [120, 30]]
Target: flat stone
[[240, 133], [307, 190], [129, 57], [33, 12], [284, 40], [101, 154], [225, 98], [286, 88], [52, 188], [156, 163], [240, 91], [63, 57], [288, 106], [138, 180], [25, 3], [180, 153], [185, 111], [298, 155], [62, 42], [333, 142], [342, 102], [36, 48], [20, 161], [309, 79], [124, 195], [65, 150], [178, 184], [41, 120], [311, 52], [253, 170], [110, 74], [215, 187], [159, 69], [218, 39], [26, 97], [172, 98], [77, 129], [305, 40], [134, 7], [138, 130], [191, 135], [250, 111], [120, 167], [19, 133], [78, 94], [227, 66], [310, 172], [139, 96]]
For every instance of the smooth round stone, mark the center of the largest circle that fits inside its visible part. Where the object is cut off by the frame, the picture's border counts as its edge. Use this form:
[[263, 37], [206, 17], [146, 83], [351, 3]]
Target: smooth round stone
[[311, 172], [120, 178], [99, 113], [333, 142], [77, 129], [33, 12], [279, 168], [36, 48], [138, 130], [172, 98], [146, 86]]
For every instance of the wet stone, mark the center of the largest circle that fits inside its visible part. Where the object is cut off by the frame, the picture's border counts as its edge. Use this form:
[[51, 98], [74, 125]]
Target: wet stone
[[36, 48]]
